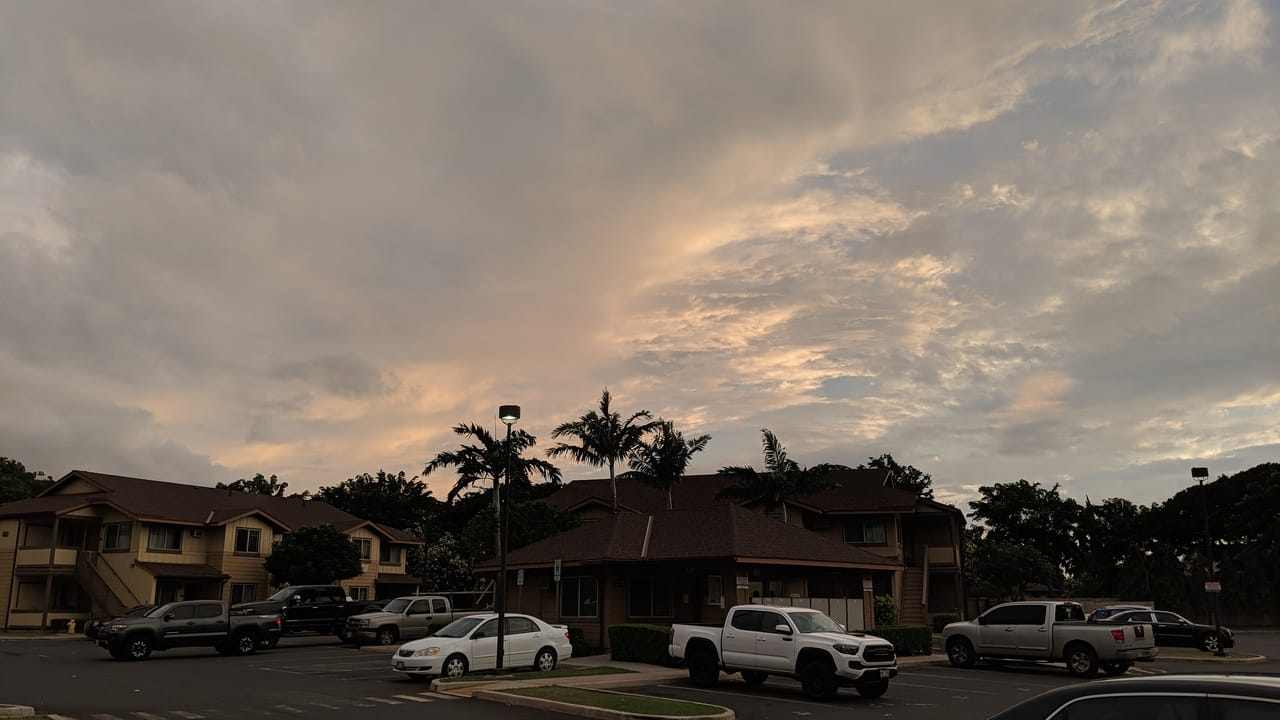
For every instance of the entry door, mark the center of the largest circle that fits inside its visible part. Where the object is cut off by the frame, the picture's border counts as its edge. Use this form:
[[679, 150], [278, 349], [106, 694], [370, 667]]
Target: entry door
[[416, 619], [484, 646], [738, 641], [1031, 630], [775, 650], [522, 642], [209, 621], [178, 626]]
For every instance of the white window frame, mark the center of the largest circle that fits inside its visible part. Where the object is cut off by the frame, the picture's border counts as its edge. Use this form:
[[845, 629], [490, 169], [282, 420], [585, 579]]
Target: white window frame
[[127, 536], [252, 592], [253, 541], [365, 546], [166, 532], [715, 590]]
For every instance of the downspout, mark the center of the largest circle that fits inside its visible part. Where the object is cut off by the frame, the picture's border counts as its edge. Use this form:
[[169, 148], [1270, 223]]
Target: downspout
[[48, 578]]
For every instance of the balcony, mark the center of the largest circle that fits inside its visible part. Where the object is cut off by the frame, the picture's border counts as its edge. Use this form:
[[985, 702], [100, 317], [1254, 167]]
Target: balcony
[[39, 557], [942, 556]]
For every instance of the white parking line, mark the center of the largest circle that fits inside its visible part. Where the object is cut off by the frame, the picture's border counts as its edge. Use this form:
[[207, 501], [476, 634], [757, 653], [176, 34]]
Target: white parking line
[[413, 698], [104, 716], [146, 716], [387, 701], [326, 706], [965, 691], [186, 715], [286, 708]]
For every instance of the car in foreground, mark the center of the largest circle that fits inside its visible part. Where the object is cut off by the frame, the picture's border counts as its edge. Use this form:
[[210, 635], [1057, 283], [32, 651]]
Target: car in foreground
[[1106, 611], [1173, 630], [1157, 697], [471, 643], [94, 625]]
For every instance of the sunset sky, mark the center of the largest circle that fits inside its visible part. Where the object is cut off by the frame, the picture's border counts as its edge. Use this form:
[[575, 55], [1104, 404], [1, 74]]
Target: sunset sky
[[998, 240]]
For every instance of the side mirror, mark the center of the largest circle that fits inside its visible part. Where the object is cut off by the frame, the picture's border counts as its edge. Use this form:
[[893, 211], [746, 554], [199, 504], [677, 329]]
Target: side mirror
[[782, 629], [982, 619], [478, 636], [167, 617]]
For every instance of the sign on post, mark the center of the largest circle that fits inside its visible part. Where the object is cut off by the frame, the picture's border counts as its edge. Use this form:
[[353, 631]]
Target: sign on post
[[520, 577], [1213, 586], [555, 571], [867, 585]]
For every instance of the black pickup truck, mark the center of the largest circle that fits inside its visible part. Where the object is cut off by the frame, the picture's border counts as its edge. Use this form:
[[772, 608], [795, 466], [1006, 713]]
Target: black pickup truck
[[194, 623], [315, 608]]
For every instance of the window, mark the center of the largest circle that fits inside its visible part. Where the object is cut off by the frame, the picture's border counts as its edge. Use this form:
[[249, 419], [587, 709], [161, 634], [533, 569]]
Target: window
[[1068, 612], [243, 593], [66, 596], [208, 610], [165, 537], [864, 531], [1131, 707], [1242, 709], [579, 597], [650, 597], [117, 536], [1006, 615], [389, 554], [182, 612], [358, 592], [365, 546], [247, 540], [1168, 618], [489, 629], [769, 621], [419, 607], [748, 620], [715, 590], [520, 625], [438, 605], [1030, 614]]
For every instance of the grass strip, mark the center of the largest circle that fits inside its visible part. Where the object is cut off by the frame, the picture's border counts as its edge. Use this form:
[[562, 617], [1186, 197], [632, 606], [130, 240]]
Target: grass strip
[[526, 674], [623, 702]]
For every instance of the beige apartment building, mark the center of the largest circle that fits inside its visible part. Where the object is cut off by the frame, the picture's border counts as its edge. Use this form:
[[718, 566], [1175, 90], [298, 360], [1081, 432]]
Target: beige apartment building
[[95, 544]]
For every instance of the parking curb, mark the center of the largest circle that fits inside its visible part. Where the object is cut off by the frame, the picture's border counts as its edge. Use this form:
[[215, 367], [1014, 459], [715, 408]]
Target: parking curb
[[588, 711], [1238, 659], [16, 711]]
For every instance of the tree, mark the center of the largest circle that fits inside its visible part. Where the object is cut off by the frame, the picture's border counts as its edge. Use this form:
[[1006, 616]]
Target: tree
[[604, 438], [1023, 513], [527, 522], [662, 460], [781, 479], [443, 564], [18, 483], [259, 484], [396, 500], [902, 476], [313, 556], [1008, 567]]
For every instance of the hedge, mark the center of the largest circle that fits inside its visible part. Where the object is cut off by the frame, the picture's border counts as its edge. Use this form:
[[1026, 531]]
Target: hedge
[[941, 621], [640, 643], [907, 639], [578, 640]]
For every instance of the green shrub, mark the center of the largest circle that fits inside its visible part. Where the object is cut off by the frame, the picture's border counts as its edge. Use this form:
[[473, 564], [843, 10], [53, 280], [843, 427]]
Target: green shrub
[[907, 639], [640, 643], [578, 640], [886, 611], [941, 621]]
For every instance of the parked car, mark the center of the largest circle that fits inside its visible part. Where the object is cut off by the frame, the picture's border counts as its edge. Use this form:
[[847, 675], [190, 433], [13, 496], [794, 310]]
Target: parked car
[[411, 616], [763, 640], [306, 608], [93, 625], [1156, 697], [1106, 611], [1173, 630], [1048, 632], [471, 643], [193, 623]]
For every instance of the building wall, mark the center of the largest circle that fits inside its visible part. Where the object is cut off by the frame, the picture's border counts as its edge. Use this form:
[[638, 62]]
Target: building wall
[[77, 486], [244, 568], [831, 527], [194, 550], [122, 570], [368, 578], [8, 556]]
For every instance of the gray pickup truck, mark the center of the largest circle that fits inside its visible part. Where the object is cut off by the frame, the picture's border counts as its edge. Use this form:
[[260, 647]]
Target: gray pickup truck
[[194, 623], [404, 618], [1048, 632]]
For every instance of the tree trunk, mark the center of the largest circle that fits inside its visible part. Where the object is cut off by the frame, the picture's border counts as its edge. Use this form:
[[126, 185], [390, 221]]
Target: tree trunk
[[613, 483]]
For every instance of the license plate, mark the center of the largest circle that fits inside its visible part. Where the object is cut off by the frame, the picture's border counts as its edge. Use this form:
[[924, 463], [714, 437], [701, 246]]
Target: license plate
[[399, 665], [884, 673], [1139, 631]]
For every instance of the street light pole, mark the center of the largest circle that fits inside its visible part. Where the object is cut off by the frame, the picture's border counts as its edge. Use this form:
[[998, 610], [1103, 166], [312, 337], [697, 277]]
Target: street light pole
[[1199, 474], [508, 414]]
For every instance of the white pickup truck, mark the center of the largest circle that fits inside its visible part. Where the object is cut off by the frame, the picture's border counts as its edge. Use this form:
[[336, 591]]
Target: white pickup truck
[[763, 640], [1049, 632], [411, 616]]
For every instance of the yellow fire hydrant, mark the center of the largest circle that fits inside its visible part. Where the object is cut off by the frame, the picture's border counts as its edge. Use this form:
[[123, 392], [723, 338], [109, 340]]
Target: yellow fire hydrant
[[71, 626]]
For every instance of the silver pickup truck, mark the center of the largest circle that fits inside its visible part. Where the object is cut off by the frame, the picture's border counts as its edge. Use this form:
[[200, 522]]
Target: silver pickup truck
[[404, 618], [1048, 632]]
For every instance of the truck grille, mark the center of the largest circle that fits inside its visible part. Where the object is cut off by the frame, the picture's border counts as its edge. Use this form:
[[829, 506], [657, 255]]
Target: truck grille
[[405, 653], [878, 653]]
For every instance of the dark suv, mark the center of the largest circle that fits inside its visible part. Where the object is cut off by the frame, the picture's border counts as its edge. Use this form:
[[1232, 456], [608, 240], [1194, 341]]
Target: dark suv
[[316, 608]]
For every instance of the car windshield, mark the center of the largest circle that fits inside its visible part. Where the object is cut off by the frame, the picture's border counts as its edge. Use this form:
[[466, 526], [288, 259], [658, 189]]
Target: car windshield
[[459, 628], [814, 622], [158, 611], [281, 594], [396, 606], [140, 610]]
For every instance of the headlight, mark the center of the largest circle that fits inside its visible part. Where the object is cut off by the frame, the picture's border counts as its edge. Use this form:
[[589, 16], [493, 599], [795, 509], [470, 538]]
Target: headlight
[[119, 626], [427, 651], [360, 623], [846, 649]]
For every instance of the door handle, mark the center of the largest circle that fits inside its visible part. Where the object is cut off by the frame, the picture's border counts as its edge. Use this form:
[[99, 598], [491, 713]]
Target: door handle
[[1044, 629], [1008, 629]]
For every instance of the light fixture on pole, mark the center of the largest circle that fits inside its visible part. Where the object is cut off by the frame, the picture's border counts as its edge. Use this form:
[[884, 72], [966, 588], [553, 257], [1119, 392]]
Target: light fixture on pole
[[508, 414], [1211, 586]]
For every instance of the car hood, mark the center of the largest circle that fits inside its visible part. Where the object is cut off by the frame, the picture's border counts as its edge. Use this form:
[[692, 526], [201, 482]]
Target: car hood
[[445, 644], [376, 617], [836, 638]]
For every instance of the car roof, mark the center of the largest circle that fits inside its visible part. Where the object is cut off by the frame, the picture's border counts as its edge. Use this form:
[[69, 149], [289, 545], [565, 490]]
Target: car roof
[[1258, 686]]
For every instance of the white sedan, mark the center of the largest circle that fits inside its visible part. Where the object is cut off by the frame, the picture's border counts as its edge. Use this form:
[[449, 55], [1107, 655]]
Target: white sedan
[[471, 643]]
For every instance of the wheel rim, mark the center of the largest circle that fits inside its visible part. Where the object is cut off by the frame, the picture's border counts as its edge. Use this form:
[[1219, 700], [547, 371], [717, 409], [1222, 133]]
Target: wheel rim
[[546, 661], [959, 653], [453, 668], [245, 643], [1211, 643], [1079, 661], [138, 648], [385, 637]]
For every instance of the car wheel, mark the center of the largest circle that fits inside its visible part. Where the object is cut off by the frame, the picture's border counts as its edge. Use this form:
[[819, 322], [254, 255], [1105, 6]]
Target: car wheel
[[138, 648], [703, 669], [243, 643], [960, 652], [872, 690], [1211, 642], [268, 643], [545, 661], [118, 653], [1082, 661], [388, 636], [455, 666], [1116, 668], [818, 681], [344, 635], [754, 678]]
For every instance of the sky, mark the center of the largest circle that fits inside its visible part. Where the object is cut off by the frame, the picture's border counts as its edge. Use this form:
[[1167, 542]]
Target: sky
[[997, 240]]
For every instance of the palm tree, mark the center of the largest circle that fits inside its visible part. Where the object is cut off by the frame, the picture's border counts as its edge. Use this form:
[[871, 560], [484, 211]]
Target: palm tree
[[488, 460], [782, 478], [603, 438], [662, 460]]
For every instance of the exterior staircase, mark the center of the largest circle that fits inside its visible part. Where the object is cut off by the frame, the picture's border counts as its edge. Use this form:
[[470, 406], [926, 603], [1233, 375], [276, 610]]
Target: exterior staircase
[[913, 608], [105, 601]]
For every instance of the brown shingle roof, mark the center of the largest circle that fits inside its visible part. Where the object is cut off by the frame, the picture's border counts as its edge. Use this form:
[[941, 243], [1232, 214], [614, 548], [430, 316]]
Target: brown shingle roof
[[718, 531], [193, 504]]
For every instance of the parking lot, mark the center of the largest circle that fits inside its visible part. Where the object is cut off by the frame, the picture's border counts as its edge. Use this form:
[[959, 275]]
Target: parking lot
[[315, 677]]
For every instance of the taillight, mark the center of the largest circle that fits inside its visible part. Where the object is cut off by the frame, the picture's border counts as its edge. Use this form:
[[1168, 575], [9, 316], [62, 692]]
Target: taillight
[[279, 621], [1118, 634]]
